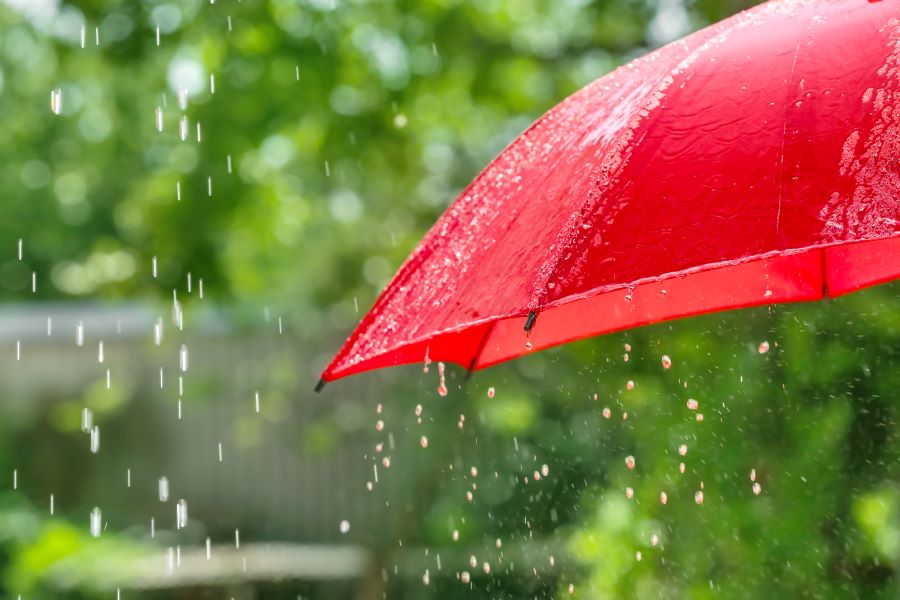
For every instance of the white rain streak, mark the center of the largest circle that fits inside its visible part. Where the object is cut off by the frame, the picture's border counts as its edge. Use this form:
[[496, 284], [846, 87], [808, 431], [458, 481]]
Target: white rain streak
[[96, 522], [56, 101], [95, 439]]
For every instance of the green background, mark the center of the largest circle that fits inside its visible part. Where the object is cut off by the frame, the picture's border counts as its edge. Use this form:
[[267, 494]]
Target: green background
[[349, 126]]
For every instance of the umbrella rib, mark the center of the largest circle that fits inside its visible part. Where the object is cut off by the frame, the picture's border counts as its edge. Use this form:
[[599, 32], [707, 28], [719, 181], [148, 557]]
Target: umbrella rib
[[480, 348]]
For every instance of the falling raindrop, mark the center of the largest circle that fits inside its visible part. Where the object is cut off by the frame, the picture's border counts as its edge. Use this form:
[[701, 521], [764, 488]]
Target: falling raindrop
[[763, 347], [208, 549], [442, 385], [96, 522], [181, 514], [183, 358], [629, 385], [256, 400], [465, 577], [423, 441], [629, 492], [345, 526], [163, 487], [682, 449], [95, 439], [56, 101], [698, 497], [663, 498], [100, 351], [237, 539], [757, 488], [51, 505], [157, 36], [159, 118], [183, 127], [490, 392], [87, 420], [666, 362], [212, 83], [692, 404], [630, 462], [607, 413]]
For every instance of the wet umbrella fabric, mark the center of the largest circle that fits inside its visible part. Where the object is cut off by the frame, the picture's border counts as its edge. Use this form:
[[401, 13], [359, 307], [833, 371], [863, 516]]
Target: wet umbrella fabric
[[755, 161]]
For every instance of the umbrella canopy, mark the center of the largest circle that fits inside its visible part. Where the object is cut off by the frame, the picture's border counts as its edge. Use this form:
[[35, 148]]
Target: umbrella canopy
[[755, 161]]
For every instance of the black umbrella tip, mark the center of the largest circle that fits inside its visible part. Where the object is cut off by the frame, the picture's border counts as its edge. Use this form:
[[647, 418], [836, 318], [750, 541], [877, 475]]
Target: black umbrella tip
[[529, 323], [320, 385]]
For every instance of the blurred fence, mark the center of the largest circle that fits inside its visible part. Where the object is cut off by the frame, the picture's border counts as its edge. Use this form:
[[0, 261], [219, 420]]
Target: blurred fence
[[291, 472]]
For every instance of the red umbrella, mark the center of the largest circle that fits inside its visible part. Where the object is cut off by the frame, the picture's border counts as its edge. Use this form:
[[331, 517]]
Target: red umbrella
[[755, 161]]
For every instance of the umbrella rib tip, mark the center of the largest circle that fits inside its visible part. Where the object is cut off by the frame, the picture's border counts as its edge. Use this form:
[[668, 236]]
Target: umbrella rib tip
[[320, 385], [529, 322]]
